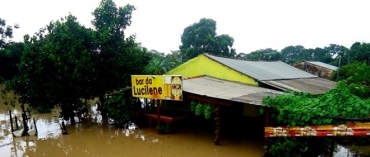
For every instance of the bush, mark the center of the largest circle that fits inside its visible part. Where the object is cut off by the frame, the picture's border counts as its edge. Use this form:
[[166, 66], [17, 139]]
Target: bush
[[119, 108]]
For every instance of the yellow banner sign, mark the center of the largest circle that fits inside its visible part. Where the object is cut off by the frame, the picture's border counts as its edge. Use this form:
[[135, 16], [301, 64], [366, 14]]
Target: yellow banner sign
[[168, 87]]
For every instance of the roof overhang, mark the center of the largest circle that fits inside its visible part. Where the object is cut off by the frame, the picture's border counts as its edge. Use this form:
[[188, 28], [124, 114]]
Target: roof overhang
[[226, 90], [311, 85]]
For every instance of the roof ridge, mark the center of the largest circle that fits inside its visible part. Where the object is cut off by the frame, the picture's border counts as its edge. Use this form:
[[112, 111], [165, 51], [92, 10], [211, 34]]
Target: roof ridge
[[238, 59]]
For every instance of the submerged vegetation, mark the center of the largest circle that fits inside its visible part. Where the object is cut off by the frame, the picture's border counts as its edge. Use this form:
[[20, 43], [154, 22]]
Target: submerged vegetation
[[347, 102], [65, 63]]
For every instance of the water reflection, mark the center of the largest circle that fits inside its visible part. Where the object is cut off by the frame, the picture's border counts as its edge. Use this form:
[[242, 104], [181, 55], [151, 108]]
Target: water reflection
[[95, 137]]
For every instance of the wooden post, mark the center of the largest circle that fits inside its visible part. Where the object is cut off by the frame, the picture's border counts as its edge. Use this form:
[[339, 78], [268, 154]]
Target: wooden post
[[22, 106], [332, 148], [16, 122], [11, 120], [29, 112], [267, 115], [267, 120], [25, 125], [218, 125], [64, 128], [34, 123], [159, 112]]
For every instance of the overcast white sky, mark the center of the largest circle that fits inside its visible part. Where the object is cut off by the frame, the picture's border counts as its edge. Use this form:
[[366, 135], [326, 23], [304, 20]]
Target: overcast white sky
[[254, 24]]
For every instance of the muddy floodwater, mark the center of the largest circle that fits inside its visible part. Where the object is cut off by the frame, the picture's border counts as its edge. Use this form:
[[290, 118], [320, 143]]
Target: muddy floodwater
[[96, 138]]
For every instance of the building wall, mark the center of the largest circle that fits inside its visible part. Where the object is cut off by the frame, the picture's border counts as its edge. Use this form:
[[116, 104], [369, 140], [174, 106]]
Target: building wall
[[251, 110], [203, 65], [183, 106], [314, 69]]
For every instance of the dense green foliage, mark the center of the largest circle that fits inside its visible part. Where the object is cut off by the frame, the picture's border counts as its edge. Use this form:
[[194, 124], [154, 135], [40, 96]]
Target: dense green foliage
[[6, 33], [299, 147], [357, 75], [298, 108], [348, 101], [65, 62], [10, 57], [161, 63], [55, 68], [201, 37], [267, 54], [119, 108], [117, 57], [10, 52], [360, 52], [293, 54]]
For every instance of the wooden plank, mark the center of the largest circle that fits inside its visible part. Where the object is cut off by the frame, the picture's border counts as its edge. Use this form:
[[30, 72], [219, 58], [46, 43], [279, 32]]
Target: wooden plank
[[165, 118], [349, 129]]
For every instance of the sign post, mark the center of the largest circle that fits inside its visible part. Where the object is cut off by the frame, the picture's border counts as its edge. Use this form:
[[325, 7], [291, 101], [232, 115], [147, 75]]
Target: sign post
[[157, 87]]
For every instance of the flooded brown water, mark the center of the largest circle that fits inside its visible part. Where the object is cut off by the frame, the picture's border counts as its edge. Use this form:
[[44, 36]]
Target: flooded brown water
[[96, 138]]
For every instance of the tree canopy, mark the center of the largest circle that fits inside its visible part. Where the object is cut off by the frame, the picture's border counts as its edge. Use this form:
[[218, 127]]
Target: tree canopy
[[6, 32], [267, 54], [9, 51], [9, 59], [66, 62], [201, 37]]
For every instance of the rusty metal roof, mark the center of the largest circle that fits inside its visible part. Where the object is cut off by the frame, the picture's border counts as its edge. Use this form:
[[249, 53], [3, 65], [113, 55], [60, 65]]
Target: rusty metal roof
[[226, 90], [263, 70], [312, 85]]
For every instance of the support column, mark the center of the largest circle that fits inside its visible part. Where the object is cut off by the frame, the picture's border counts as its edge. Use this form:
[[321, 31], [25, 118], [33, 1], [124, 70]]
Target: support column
[[34, 123], [16, 123], [25, 125], [267, 119], [218, 125], [11, 121], [159, 112], [332, 145]]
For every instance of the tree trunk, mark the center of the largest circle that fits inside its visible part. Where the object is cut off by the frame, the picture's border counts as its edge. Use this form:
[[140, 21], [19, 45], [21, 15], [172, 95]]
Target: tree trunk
[[67, 113], [102, 109]]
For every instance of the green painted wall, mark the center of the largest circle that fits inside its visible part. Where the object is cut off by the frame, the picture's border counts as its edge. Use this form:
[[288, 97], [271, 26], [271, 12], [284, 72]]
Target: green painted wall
[[202, 65]]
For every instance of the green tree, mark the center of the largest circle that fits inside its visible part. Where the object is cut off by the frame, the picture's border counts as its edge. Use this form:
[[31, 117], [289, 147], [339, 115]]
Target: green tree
[[293, 54], [158, 65], [267, 54], [66, 62], [6, 32], [175, 59], [357, 76], [9, 51], [117, 57], [10, 57], [120, 108], [348, 101], [359, 52], [56, 67], [338, 52], [241, 55], [201, 38], [317, 54]]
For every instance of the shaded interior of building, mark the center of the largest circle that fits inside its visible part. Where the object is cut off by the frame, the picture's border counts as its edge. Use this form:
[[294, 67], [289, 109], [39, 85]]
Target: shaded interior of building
[[237, 120]]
